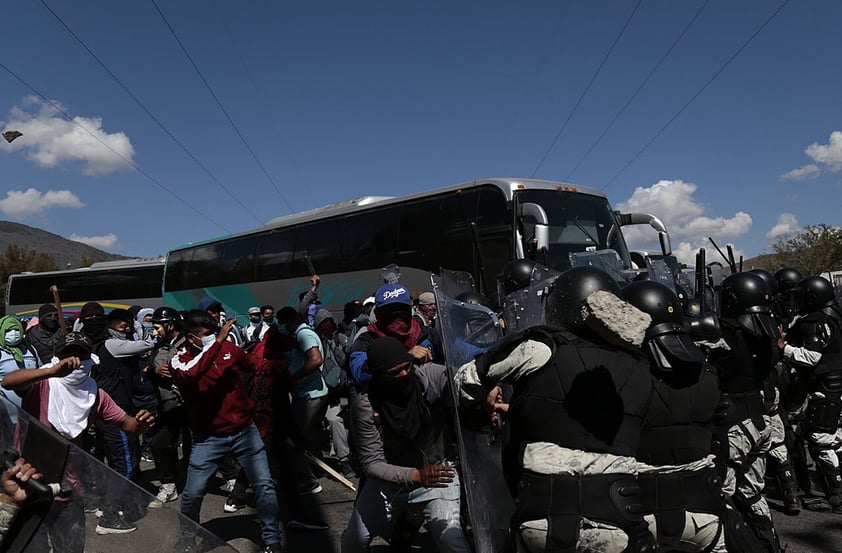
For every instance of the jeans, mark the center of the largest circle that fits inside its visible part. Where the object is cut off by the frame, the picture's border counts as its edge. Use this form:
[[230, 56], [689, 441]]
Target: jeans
[[380, 503], [338, 432], [248, 449]]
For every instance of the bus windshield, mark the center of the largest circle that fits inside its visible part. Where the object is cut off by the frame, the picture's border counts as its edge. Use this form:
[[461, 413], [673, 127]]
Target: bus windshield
[[577, 222]]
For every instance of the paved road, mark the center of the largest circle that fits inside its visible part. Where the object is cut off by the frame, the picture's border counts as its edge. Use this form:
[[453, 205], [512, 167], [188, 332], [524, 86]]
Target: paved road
[[809, 532]]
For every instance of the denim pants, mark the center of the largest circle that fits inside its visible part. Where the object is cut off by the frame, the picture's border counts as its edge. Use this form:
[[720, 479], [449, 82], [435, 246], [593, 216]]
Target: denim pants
[[248, 449], [380, 503]]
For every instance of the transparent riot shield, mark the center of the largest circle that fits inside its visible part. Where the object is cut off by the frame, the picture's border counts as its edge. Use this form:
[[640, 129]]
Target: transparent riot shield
[[467, 330], [607, 260], [660, 272], [87, 493], [453, 283], [524, 308]]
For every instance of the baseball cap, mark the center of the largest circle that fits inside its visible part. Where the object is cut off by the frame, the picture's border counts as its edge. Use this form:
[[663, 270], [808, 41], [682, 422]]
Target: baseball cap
[[391, 293], [426, 298], [254, 310], [368, 301], [76, 340]]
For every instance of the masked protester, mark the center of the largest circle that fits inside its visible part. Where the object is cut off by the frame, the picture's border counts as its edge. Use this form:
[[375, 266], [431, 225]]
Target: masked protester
[[42, 337], [64, 397], [393, 317], [14, 354], [405, 458], [257, 326]]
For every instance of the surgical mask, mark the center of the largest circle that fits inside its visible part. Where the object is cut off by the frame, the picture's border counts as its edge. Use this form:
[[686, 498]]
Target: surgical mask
[[208, 340], [255, 319], [13, 338]]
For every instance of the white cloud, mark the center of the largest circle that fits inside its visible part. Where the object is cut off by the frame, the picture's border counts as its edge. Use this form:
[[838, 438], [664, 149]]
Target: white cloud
[[105, 241], [688, 225], [829, 154], [787, 224], [49, 139], [18, 204], [809, 171]]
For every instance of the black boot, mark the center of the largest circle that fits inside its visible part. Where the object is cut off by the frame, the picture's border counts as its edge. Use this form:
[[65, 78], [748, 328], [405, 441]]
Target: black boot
[[790, 492]]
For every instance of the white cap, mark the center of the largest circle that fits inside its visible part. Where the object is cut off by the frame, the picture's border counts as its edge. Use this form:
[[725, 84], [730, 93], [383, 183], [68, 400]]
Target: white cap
[[368, 300]]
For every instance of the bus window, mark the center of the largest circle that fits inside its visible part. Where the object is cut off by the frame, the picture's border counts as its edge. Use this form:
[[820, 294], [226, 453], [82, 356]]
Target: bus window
[[321, 241], [237, 263], [495, 235], [205, 266], [274, 254], [369, 239], [177, 264]]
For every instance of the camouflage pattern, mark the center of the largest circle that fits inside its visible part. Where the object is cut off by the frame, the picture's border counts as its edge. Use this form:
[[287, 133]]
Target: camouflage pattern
[[828, 447], [746, 468], [594, 537], [702, 532]]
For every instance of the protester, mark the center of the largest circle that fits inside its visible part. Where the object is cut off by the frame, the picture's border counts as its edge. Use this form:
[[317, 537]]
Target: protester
[[42, 337], [14, 353]]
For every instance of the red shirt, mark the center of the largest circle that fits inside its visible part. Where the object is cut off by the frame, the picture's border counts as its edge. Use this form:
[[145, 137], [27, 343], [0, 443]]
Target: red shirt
[[212, 387]]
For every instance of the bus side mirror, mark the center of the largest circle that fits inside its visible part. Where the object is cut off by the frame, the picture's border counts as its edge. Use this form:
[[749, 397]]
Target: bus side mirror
[[542, 227]]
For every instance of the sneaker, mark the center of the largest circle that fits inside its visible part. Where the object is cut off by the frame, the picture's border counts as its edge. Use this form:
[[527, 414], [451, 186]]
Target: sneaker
[[314, 489], [147, 458], [115, 525], [294, 525], [274, 548], [232, 506], [228, 486], [166, 493], [346, 469]]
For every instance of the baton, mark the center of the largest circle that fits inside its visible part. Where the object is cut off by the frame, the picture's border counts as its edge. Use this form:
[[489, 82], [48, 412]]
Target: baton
[[328, 469], [57, 301], [309, 264]]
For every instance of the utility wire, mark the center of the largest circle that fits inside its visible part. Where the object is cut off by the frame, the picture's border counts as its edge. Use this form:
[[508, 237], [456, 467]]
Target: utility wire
[[118, 154], [221, 107], [639, 88], [698, 93], [584, 92], [149, 113]]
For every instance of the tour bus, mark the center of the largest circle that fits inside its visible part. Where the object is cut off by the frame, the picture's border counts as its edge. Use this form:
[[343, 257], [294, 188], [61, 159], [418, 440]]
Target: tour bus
[[112, 283], [476, 227]]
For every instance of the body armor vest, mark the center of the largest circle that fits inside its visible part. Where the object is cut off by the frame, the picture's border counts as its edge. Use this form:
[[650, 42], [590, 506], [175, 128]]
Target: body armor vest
[[589, 396], [747, 364], [679, 427]]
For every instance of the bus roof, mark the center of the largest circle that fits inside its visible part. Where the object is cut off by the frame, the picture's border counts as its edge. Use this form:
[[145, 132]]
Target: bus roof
[[507, 185], [100, 265]]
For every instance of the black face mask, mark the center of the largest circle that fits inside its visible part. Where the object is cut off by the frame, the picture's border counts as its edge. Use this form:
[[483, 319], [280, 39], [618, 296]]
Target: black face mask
[[94, 326], [269, 320], [50, 324]]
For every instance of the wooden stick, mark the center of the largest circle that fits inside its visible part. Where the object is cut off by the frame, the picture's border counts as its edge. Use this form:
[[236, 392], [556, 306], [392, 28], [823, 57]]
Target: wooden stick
[[328, 469], [57, 301]]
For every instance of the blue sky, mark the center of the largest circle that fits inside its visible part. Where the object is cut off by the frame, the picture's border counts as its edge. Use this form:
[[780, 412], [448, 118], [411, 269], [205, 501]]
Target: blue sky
[[338, 100]]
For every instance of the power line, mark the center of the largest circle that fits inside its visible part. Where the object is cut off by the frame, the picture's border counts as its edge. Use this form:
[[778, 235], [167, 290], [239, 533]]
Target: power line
[[149, 113], [639, 88], [584, 92], [698, 93], [118, 154], [221, 107]]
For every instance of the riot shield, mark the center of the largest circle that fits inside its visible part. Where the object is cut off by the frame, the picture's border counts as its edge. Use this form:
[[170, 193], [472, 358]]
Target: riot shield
[[466, 330], [87, 492], [524, 308], [607, 260], [453, 283]]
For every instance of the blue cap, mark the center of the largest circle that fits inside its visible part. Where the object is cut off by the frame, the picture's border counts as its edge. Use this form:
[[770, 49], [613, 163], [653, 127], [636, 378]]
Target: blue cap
[[206, 302], [391, 293]]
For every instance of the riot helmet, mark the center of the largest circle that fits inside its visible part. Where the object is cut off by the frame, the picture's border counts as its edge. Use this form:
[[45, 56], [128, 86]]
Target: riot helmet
[[669, 347], [475, 298], [787, 279], [516, 274], [165, 315], [745, 299], [565, 304], [769, 279], [814, 293]]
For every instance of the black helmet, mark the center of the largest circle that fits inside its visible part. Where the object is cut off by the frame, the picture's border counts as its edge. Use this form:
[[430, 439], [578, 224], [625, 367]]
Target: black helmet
[[166, 315], [669, 347], [787, 279], [814, 293], [516, 274], [745, 298], [769, 279], [567, 297], [692, 308], [475, 298]]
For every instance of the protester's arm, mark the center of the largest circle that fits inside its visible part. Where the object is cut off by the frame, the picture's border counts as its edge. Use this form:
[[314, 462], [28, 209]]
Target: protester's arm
[[369, 445], [137, 424], [21, 379], [128, 348]]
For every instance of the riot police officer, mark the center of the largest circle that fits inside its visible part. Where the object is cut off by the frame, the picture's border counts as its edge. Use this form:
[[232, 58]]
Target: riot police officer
[[570, 459], [814, 347], [744, 359], [682, 494]]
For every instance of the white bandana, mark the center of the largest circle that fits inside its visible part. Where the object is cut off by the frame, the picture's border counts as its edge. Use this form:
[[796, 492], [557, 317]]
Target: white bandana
[[71, 399]]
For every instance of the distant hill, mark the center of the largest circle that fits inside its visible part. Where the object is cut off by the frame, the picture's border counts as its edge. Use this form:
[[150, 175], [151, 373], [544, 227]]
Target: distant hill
[[64, 251]]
